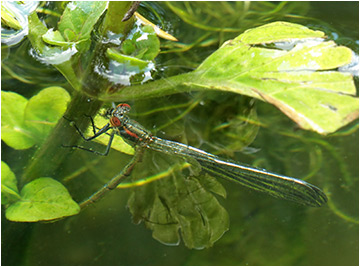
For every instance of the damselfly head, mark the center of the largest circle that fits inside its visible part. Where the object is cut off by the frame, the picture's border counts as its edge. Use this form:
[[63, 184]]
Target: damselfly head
[[118, 114]]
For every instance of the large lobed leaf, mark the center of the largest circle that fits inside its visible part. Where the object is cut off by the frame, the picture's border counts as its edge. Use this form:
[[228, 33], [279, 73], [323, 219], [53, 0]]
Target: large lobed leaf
[[180, 205], [300, 79]]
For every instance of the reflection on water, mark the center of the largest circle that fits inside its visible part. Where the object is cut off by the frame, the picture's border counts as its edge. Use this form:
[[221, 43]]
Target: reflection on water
[[19, 12]]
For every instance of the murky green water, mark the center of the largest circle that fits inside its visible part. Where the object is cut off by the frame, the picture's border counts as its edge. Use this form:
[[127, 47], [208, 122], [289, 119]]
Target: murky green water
[[263, 230]]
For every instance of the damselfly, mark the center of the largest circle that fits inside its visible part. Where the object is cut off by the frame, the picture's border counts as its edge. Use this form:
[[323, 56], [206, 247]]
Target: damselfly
[[258, 179]]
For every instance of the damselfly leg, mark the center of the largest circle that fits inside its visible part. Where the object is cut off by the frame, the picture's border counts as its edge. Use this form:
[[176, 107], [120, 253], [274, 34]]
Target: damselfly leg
[[116, 180], [101, 131]]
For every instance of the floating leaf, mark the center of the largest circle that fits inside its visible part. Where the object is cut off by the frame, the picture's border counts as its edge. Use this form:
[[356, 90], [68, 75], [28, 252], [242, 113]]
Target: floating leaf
[[80, 17], [9, 188], [278, 32], [76, 23], [146, 43], [41, 200], [300, 81], [178, 205], [54, 38], [121, 58], [143, 44]]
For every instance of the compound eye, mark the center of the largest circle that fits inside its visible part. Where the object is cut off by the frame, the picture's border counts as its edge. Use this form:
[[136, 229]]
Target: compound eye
[[115, 122], [124, 107]]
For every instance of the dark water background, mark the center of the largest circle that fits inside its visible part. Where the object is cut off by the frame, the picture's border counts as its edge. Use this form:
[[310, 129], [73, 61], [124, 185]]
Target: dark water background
[[263, 230]]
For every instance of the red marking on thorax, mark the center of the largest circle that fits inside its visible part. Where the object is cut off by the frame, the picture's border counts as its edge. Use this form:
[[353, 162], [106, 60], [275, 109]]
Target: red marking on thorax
[[131, 133]]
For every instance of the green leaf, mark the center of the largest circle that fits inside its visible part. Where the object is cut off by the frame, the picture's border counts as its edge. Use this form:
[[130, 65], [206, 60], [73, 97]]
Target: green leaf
[[45, 109], [118, 143], [25, 123], [211, 184], [128, 47], [285, 64], [14, 131], [143, 44], [41, 200], [69, 34], [278, 32], [238, 131], [79, 18], [300, 82], [121, 58], [147, 44], [76, 24], [54, 38], [8, 18], [178, 205], [9, 188]]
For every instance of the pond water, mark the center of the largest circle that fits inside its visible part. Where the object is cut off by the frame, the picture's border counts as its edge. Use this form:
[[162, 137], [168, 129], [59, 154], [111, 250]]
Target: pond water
[[262, 230]]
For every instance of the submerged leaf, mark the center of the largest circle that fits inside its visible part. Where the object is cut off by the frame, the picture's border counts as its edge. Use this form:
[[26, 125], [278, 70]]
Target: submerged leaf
[[41, 200], [9, 188], [45, 109], [178, 205], [25, 123], [299, 81], [14, 131]]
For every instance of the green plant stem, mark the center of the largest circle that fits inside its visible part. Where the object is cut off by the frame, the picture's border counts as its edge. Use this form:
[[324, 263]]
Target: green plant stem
[[93, 83], [51, 153], [116, 12], [167, 86]]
